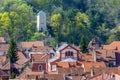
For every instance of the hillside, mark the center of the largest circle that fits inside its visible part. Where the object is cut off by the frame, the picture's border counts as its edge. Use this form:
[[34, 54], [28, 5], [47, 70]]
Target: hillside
[[67, 20]]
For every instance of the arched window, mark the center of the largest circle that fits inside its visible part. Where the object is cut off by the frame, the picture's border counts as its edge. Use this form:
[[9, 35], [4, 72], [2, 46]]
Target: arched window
[[71, 53], [40, 67]]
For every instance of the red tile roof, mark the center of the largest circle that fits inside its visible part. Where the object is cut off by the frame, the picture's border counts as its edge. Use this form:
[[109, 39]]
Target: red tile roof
[[27, 75], [40, 57], [21, 60], [88, 65], [41, 48], [6, 66], [4, 47], [71, 71], [115, 45], [88, 57], [68, 64], [106, 54], [28, 45], [3, 59]]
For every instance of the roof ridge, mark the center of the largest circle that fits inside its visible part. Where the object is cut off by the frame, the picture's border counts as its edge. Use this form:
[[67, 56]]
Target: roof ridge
[[43, 56]]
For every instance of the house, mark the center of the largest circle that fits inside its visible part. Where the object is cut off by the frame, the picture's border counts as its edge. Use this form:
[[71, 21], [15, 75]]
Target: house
[[65, 53], [40, 50], [62, 74], [2, 40], [27, 46], [105, 74], [3, 75], [109, 54], [68, 63], [22, 62], [4, 49], [39, 62], [3, 60], [87, 66]]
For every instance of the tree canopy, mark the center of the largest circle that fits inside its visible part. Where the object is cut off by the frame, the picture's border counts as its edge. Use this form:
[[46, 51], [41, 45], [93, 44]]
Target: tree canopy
[[67, 20]]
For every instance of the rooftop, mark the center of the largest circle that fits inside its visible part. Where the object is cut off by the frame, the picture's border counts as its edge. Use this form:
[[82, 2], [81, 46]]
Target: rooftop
[[28, 45], [40, 57]]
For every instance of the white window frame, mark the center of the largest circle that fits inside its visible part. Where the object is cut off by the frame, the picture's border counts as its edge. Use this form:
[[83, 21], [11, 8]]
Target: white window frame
[[54, 68]]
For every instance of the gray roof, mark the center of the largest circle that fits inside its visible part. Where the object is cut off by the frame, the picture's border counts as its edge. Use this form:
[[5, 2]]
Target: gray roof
[[69, 60], [41, 13], [53, 59], [62, 47]]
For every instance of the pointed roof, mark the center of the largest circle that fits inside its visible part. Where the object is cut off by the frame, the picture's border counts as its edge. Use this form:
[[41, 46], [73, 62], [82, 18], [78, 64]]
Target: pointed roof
[[62, 47], [41, 13], [66, 45]]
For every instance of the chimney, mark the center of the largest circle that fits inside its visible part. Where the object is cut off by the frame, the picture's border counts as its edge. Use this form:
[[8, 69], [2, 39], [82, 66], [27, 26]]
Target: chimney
[[92, 71], [95, 56]]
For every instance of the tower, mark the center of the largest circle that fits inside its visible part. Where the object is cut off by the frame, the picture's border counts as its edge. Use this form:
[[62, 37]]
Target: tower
[[41, 21]]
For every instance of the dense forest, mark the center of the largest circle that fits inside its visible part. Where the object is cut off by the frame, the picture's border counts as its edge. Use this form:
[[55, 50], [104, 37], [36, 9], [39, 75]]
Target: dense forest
[[67, 20]]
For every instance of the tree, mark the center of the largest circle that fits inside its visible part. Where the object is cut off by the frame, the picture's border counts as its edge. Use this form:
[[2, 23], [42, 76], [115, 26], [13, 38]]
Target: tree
[[82, 20], [12, 55], [83, 45], [12, 52], [56, 22]]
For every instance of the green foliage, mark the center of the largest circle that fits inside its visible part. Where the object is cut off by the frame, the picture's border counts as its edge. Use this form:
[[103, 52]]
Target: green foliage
[[12, 52], [67, 20], [82, 20], [16, 20], [83, 45], [12, 75]]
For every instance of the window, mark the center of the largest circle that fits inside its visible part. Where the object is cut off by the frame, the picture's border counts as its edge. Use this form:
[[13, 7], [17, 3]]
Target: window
[[40, 67], [54, 67], [69, 54]]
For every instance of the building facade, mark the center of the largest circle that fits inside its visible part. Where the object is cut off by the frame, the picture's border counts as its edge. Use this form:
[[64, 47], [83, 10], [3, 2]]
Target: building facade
[[41, 21]]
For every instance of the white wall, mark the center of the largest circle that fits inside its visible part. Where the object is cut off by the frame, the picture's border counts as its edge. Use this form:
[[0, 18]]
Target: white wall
[[41, 21], [3, 52], [69, 49]]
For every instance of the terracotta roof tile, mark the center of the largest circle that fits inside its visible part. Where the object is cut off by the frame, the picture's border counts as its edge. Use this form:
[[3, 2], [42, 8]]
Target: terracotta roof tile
[[114, 70], [4, 47], [63, 64], [6, 66], [68, 64], [88, 65], [105, 54], [28, 45], [29, 75], [41, 49], [40, 57], [71, 71], [88, 57], [3, 59], [21, 60], [76, 77], [113, 46]]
